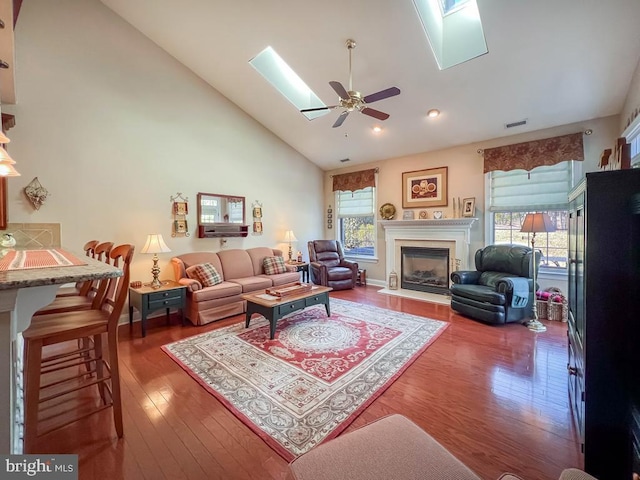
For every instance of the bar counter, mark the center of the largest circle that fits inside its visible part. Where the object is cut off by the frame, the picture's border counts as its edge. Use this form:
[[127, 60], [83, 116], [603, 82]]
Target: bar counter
[[22, 293]]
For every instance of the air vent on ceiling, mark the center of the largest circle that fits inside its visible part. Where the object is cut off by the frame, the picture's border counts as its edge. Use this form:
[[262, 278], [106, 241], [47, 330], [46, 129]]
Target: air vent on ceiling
[[515, 124], [345, 160]]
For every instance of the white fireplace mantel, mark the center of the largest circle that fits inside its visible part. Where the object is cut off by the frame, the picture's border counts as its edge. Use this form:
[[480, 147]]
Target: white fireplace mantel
[[455, 231]]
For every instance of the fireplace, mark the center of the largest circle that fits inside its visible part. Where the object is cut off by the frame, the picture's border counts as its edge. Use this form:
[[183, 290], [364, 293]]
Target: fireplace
[[453, 234], [425, 269]]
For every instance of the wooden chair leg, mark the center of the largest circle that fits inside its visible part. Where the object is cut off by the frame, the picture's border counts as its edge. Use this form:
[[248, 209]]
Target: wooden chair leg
[[115, 381], [32, 359], [99, 360]]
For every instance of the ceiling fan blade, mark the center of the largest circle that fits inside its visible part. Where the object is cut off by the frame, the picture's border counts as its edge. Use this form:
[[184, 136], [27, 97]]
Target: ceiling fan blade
[[375, 113], [318, 109], [340, 90], [341, 119], [381, 95]]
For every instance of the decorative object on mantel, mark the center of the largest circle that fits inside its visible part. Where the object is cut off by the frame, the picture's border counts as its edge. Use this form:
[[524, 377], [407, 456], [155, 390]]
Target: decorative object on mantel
[[423, 215], [469, 207], [387, 211], [425, 188], [536, 223], [36, 193], [457, 207], [329, 217], [437, 215], [155, 244], [256, 211], [180, 211], [408, 215]]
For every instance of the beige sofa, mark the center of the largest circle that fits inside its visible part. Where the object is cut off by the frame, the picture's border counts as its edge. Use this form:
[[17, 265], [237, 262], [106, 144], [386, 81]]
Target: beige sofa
[[242, 272], [392, 447]]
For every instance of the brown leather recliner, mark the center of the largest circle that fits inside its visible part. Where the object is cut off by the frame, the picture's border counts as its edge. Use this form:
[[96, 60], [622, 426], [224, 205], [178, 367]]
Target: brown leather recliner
[[328, 266]]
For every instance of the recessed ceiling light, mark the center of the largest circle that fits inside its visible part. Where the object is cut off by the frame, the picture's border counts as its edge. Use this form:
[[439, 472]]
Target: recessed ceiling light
[[377, 129], [434, 112]]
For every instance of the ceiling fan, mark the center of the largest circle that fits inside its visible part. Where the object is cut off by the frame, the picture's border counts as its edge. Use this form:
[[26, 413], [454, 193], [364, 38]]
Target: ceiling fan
[[352, 100]]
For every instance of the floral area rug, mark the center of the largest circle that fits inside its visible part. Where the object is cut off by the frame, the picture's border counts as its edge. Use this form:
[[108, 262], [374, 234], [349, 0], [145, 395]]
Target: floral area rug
[[315, 377]]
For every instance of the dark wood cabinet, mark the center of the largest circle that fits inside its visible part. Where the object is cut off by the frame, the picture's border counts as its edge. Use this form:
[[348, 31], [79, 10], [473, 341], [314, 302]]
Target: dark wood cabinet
[[604, 324]]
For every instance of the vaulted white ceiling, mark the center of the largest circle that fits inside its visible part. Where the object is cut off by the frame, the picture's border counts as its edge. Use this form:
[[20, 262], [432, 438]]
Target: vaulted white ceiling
[[550, 62]]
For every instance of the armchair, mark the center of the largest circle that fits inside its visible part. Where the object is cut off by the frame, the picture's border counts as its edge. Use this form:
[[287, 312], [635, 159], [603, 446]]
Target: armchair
[[501, 289], [328, 266]]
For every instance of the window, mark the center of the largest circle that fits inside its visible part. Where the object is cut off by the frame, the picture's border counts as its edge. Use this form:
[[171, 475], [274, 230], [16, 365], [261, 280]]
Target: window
[[514, 193], [506, 229], [282, 77], [356, 222]]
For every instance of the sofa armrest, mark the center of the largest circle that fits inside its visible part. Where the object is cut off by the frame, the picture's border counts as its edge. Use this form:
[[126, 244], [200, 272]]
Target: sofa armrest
[[516, 290], [465, 277], [349, 264], [318, 273], [192, 285]]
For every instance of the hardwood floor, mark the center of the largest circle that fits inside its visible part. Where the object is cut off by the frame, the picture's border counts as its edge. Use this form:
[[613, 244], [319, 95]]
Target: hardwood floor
[[496, 397]]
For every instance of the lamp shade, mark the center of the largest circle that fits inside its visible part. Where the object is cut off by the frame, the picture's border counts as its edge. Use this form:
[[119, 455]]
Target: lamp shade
[[7, 169], [155, 244], [4, 138], [289, 236], [5, 157], [536, 223]]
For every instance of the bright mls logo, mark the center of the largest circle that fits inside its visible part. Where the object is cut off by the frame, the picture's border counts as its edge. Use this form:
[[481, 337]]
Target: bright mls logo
[[58, 467]]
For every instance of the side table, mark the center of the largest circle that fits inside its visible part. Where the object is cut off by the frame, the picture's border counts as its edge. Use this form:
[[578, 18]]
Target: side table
[[146, 300], [301, 267]]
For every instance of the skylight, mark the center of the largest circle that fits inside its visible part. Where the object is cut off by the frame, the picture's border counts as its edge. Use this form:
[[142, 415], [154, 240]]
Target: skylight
[[276, 71], [448, 6], [453, 29]]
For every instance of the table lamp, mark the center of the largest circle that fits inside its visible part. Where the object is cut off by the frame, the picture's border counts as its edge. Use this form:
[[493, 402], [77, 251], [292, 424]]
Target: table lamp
[[290, 237], [536, 223], [155, 244]]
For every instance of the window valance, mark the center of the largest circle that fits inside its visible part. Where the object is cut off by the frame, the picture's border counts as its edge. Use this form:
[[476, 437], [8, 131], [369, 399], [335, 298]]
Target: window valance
[[529, 155], [350, 182]]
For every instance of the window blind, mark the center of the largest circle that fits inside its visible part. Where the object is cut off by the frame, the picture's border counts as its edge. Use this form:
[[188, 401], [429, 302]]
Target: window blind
[[355, 204], [543, 188]]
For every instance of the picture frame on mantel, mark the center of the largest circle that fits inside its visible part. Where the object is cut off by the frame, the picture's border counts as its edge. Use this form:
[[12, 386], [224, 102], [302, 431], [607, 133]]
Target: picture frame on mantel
[[469, 207], [425, 188]]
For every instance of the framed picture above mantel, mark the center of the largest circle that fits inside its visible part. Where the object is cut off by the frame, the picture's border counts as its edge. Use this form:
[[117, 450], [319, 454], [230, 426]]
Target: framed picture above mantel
[[425, 188]]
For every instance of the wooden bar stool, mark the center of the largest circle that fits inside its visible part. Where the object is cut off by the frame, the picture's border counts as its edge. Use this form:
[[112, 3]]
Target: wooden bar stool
[[90, 296], [62, 327], [89, 250]]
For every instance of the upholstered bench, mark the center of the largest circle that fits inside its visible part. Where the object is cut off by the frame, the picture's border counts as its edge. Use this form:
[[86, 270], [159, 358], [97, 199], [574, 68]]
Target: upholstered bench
[[390, 448]]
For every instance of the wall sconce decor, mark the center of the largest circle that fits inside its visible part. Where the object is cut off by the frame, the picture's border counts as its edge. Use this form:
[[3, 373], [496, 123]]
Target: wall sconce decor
[[257, 217], [180, 212], [36, 193]]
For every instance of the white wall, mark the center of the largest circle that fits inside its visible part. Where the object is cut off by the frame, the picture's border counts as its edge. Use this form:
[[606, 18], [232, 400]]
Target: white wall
[[113, 126], [466, 177]]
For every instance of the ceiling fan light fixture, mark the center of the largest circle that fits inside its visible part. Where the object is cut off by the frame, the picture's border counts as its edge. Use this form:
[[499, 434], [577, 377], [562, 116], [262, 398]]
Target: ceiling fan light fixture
[[352, 100], [377, 129], [433, 113]]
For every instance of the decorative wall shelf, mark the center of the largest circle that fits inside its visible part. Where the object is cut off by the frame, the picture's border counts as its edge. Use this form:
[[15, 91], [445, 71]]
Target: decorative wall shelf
[[223, 230]]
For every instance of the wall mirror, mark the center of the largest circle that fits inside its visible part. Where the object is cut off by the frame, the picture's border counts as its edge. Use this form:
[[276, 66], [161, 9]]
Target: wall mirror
[[220, 215]]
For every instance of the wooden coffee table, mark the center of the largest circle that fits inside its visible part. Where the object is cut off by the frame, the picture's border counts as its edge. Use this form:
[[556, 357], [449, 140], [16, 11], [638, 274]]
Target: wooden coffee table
[[274, 308]]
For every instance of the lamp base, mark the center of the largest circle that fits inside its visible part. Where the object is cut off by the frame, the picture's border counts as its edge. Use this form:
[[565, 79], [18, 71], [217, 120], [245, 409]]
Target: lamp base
[[535, 325], [155, 271]]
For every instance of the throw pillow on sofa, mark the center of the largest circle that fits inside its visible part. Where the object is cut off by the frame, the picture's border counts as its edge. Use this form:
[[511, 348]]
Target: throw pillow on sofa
[[274, 265], [205, 273]]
